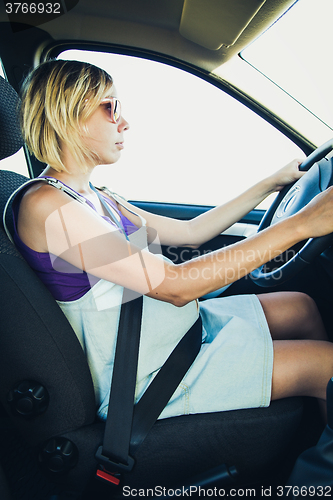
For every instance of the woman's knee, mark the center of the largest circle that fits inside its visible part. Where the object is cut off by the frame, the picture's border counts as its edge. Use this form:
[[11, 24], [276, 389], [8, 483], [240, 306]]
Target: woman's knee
[[307, 304], [292, 315], [313, 324], [301, 368]]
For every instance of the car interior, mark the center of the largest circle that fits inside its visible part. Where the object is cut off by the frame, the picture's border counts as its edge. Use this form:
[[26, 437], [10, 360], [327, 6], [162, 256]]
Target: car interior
[[49, 430]]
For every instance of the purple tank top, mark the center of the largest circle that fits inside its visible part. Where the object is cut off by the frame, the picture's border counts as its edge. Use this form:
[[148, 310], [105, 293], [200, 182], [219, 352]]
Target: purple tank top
[[65, 281]]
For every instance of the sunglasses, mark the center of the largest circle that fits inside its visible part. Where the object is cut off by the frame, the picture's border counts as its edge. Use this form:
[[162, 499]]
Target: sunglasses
[[115, 108]]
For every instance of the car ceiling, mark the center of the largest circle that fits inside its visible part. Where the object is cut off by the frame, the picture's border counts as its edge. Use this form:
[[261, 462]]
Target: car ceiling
[[181, 29]]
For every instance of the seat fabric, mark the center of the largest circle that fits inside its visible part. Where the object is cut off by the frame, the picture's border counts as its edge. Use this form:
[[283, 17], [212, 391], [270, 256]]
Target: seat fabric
[[11, 139], [4, 490], [253, 440]]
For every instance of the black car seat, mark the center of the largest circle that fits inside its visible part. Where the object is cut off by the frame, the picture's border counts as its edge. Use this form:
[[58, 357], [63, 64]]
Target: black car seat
[[4, 490], [47, 394]]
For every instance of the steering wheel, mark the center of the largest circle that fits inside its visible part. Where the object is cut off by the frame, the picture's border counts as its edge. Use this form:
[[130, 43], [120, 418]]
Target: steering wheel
[[289, 201]]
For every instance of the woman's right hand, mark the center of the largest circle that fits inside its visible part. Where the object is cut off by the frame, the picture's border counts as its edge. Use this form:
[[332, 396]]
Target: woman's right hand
[[316, 218]]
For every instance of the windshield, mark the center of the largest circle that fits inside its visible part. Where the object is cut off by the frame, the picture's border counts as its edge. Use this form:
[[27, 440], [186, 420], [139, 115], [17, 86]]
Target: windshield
[[293, 57], [295, 54]]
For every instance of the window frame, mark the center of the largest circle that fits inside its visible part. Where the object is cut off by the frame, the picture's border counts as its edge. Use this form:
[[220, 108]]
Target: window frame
[[55, 49]]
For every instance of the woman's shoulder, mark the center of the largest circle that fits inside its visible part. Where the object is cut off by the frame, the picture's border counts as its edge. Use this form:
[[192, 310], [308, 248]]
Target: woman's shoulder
[[40, 199]]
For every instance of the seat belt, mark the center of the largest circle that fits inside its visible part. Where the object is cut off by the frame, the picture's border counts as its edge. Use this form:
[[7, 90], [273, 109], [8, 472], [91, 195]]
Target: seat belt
[[161, 389], [114, 452], [127, 425]]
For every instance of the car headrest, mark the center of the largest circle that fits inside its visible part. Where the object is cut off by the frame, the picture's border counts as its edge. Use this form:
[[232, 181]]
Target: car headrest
[[10, 135]]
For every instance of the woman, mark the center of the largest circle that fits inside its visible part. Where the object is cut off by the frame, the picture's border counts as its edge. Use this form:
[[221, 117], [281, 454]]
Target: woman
[[86, 245]]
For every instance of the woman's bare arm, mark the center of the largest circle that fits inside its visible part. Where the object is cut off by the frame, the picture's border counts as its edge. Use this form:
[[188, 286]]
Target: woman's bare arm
[[77, 234], [197, 231]]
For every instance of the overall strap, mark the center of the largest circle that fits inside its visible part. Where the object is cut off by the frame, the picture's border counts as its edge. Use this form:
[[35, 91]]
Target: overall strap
[[109, 210], [119, 199], [49, 180], [62, 187]]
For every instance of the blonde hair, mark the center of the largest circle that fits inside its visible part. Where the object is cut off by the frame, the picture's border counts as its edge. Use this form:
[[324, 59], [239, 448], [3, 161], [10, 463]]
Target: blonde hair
[[57, 99]]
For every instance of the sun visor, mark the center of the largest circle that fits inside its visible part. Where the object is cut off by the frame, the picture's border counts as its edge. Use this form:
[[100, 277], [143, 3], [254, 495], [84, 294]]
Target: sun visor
[[213, 23]]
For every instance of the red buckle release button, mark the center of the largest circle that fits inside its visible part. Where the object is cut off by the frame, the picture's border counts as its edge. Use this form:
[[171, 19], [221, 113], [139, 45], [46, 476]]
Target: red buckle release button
[[108, 476]]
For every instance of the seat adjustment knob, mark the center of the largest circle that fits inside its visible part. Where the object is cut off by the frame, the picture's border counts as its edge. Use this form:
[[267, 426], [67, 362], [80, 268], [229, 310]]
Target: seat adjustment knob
[[28, 399], [58, 456]]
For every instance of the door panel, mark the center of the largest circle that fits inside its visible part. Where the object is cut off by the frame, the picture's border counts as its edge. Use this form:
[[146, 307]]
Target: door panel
[[244, 228]]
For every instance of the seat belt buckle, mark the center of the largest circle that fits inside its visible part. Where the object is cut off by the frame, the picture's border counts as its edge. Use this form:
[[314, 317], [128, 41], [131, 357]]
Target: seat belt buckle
[[109, 470]]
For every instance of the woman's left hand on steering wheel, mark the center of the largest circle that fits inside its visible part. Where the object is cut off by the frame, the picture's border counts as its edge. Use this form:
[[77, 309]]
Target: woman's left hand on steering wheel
[[287, 175]]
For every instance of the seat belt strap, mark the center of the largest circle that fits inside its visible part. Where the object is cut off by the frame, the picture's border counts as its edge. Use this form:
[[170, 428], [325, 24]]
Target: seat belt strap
[[114, 452], [128, 425], [125, 432], [119, 441], [161, 389]]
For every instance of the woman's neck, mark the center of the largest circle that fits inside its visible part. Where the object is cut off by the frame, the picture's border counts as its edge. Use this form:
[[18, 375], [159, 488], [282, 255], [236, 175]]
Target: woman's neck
[[79, 181], [77, 176], [80, 184]]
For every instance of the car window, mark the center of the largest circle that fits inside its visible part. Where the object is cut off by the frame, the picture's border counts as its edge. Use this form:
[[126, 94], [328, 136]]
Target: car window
[[17, 162], [188, 142]]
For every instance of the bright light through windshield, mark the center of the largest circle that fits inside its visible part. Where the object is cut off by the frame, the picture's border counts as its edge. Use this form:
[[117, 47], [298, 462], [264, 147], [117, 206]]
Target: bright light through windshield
[[295, 53]]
